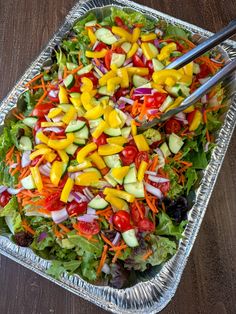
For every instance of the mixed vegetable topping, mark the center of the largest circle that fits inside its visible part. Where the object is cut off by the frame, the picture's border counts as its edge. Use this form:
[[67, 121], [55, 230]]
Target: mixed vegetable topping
[[79, 184]]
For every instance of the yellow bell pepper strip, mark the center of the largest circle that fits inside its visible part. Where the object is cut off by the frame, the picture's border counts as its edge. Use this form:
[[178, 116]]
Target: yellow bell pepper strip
[[86, 99], [120, 173], [87, 178], [138, 71], [135, 34], [56, 172], [148, 37], [118, 42], [66, 190], [63, 155], [197, 119], [99, 129], [37, 178], [103, 80], [76, 101], [160, 77], [81, 166], [98, 161], [54, 112], [166, 51], [50, 157], [141, 142], [61, 144], [123, 73], [133, 128], [94, 113], [141, 170], [92, 36], [119, 31], [87, 85], [170, 82], [51, 124], [186, 79], [188, 69], [109, 149], [70, 115], [148, 52], [114, 67], [62, 95], [189, 109], [83, 153], [159, 88], [96, 54], [107, 112], [39, 152], [112, 83], [133, 50], [119, 140], [176, 103], [39, 146], [43, 138], [116, 202], [114, 119], [121, 194]]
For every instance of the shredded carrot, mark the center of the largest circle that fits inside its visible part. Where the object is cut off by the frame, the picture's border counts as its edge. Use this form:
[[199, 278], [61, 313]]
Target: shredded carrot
[[27, 227], [104, 171], [147, 254], [15, 171], [34, 79], [188, 164], [154, 163], [56, 232], [106, 240], [103, 259], [152, 207], [208, 136], [40, 161], [43, 84], [65, 72], [139, 208], [118, 248], [116, 256], [98, 63], [76, 69], [10, 153], [64, 228], [17, 116], [41, 98]]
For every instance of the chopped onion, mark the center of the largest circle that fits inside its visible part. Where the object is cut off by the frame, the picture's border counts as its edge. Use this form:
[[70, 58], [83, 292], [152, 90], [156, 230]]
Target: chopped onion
[[144, 59], [180, 116], [14, 191], [127, 61], [46, 117], [158, 179], [139, 52], [129, 65], [37, 141], [152, 173], [25, 160], [204, 99], [91, 211], [88, 193], [154, 191], [121, 106], [128, 119], [58, 118], [45, 169], [106, 269], [79, 197], [126, 100], [3, 188], [53, 93], [204, 80], [152, 111], [53, 129], [87, 218], [216, 61], [71, 197], [59, 216], [95, 45], [159, 152], [142, 91], [156, 43], [158, 31], [116, 239], [12, 166]]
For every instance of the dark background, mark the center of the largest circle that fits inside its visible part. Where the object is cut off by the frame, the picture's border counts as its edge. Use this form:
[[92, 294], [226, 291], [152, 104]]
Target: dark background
[[208, 284]]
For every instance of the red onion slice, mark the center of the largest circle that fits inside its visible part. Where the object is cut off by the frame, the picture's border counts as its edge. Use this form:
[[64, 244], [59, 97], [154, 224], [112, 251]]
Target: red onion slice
[[88, 193], [58, 118], [142, 91], [25, 159], [91, 211], [12, 166], [158, 179], [14, 191], [45, 169], [153, 173], [59, 216], [116, 239], [129, 65], [53, 93], [106, 269], [53, 129], [127, 61], [154, 191], [79, 197], [125, 100], [3, 188], [87, 218]]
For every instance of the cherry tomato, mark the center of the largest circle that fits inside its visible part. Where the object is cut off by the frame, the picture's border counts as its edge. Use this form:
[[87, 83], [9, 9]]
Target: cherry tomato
[[137, 61], [134, 212], [75, 89], [156, 144], [119, 22], [88, 228], [155, 101], [190, 116], [128, 154], [146, 225], [101, 140], [100, 46], [74, 208], [91, 76], [118, 50], [107, 59], [141, 156], [164, 186], [172, 126], [204, 71], [121, 221], [52, 202], [149, 64], [42, 109], [4, 198]]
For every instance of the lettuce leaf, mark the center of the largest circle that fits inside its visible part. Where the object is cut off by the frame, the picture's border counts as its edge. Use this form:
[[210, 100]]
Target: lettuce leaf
[[162, 248], [166, 226], [12, 216], [191, 176], [175, 188], [57, 268], [176, 31]]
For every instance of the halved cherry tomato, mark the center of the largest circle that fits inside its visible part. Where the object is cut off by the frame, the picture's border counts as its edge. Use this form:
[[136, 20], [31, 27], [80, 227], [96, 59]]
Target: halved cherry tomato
[[42, 109], [4, 198], [155, 101], [73, 208], [75, 89], [190, 116], [128, 155], [89, 228], [107, 59], [204, 71], [101, 140], [149, 64], [121, 221], [100, 46], [146, 225], [118, 50], [119, 22], [164, 186], [137, 61], [52, 202], [134, 212], [172, 126], [141, 156]]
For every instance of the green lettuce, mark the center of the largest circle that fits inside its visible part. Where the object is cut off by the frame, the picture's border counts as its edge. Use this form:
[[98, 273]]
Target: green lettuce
[[57, 268], [166, 226], [191, 177], [176, 31], [152, 136], [162, 248], [175, 188], [12, 216]]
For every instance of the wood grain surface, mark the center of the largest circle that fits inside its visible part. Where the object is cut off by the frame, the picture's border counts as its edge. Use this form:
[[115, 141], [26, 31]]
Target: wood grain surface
[[208, 284]]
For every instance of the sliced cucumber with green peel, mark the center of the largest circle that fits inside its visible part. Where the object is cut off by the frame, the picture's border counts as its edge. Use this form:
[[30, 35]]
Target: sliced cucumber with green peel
[[106, 36], [131, 176], [126, 46], [129, 237], [167, 103], [137, 189], [125, 132], [196, 68], [139, 80], [178, 90], [119, 181], [85, 69], [69, 81], [175, 143], [75, 126], [122, 116], [153, 49], [112, 161], [91, 23], [118, 59], [157, 65], [113, 131], [25, 143], [71, 66], [94, 123], [80, 111], [83, 133], [79, 141], [75, 95], [98, 203], [110, 179], [28, 183], [65, 107], [30, 121], [71, 149], [103, 91], [165, 150]]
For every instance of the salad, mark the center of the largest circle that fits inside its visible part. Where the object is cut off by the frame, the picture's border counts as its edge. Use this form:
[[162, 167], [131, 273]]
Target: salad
[[80, 185]]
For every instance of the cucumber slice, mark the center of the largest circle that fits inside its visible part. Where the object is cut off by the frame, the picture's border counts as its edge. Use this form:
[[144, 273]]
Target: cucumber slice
[[85, 69], [154, 50], [80, 111], [71, 66], [103, 91], [94, 123], [91, 23], [125, 132], [75, 126], [82, 133], [110, 179], [28, 183], [176, 54], [135, 189], [131, 176], [25, 143], [157, 65], [75, 95], [69, 81], [130, 238], [113, 132], [122, 116], [98, 203], [196, 68], [167, 103], [118, 59], [165, 150], [139, 80], [105, 35], [30, 122], [178, 90], [71, 149], [112, 161], [119, 181], [126, 46], [79, 141], [102, 184], [175, 143], [64, 107], [64, 167]]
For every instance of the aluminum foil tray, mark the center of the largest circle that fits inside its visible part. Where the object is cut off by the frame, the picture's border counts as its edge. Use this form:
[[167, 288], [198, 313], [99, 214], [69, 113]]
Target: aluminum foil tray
[[155, 288]]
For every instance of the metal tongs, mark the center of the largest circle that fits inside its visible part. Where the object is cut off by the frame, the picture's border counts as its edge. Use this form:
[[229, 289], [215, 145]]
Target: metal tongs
[[191, 55]]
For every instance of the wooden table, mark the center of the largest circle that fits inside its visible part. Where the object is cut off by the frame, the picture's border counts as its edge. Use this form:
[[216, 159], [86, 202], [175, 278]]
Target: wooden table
[[208, 284]]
